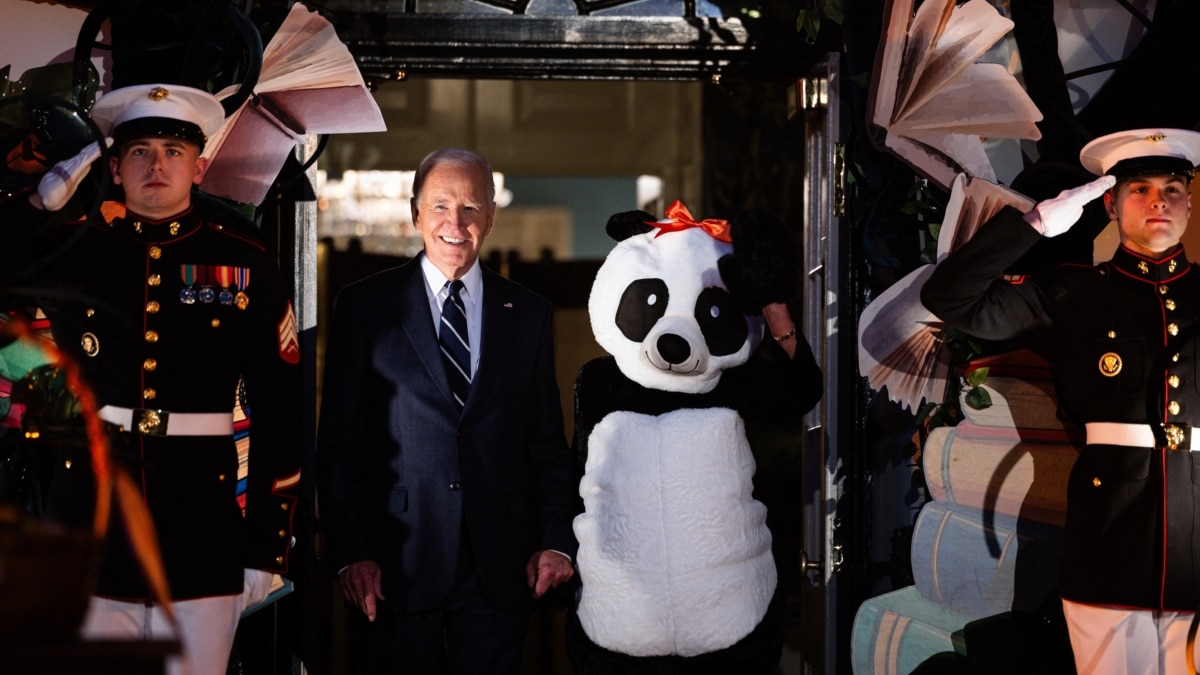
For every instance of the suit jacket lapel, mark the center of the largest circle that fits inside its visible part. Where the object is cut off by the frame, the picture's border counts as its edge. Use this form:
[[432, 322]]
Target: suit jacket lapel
[[418, 326], [499, 329]]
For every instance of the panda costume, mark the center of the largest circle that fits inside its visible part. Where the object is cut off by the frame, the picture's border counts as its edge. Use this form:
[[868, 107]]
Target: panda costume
[[675, 566]]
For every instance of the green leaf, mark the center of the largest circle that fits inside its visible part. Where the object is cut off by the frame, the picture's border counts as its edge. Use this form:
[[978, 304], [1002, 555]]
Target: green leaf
[[977, 377], [834, 11], [978, 398]]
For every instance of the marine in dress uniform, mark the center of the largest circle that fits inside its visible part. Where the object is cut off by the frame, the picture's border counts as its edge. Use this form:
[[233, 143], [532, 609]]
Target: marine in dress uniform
[[1122, 337], [173, 313]]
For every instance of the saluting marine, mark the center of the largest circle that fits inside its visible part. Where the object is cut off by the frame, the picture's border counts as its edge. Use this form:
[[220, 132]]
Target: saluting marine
[[181, 300], [1122, 337]]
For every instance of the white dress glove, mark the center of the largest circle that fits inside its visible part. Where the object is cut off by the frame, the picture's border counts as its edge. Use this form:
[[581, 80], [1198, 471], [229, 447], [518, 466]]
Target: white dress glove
[[256, 586], [59, 183], [1059, 213]]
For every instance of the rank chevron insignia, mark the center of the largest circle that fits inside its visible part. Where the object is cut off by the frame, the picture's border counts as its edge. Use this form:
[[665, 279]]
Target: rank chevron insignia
[[289, 343]]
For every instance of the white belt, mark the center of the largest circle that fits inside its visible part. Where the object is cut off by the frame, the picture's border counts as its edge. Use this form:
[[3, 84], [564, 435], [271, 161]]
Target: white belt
[[1140, 435], [163, 423]]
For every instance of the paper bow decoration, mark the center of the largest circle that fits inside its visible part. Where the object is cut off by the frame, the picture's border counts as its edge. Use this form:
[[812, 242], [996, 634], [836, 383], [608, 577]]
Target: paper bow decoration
[[931, 99], [309, 84]]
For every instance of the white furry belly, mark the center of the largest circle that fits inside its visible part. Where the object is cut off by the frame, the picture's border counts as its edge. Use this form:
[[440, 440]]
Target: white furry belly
[[674, 552]]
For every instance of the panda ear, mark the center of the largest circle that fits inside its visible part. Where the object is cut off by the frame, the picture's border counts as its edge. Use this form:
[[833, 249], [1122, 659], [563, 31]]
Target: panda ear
[[626, 224]]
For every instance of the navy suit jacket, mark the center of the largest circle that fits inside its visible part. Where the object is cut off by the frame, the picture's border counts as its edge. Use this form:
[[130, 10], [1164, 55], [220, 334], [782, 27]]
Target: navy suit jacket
[[400, 468]]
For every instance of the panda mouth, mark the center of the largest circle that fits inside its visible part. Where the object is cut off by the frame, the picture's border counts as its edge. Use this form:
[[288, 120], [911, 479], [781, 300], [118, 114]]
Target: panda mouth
[[677, 368]]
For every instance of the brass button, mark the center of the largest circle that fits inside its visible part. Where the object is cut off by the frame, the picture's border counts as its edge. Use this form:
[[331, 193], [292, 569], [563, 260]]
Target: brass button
[[1173, 328], [67, 464], [90, 312], [1175, 358], [151, 336], [221, 477], [1170, 304], [1173, 407], [283, 506], [148, 393], [155, 252], [1162, 290], [278, 560], [1173, 381], [216, 323], [155, 279], [1112, 334], [282, 534], [1096, 481], [152, 307], [149, 365]]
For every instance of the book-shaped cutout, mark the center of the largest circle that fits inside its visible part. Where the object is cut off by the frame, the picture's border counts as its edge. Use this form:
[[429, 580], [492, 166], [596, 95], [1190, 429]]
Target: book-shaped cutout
[[897, 632], [900, 343], [309, 84], [930, 100], [980, 563]]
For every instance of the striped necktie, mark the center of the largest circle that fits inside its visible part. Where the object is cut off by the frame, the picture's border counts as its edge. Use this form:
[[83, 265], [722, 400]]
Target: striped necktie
[[456, 346]]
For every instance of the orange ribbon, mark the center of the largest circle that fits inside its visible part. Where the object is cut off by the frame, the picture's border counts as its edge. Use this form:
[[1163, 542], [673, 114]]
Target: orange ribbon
[[679, 218]]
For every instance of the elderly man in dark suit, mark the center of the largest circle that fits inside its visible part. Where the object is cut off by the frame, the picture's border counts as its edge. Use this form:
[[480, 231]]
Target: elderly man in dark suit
[[446, 485]]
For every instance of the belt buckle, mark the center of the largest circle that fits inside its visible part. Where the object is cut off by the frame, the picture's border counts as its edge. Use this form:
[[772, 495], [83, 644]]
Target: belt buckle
[[1178, 435], [151, 422]]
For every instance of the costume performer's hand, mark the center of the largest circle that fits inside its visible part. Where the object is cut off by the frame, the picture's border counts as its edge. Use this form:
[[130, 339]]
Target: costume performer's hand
[[1057, 214]]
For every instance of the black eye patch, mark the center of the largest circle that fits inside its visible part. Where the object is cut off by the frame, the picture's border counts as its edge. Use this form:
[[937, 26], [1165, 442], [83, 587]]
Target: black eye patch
[[642, 304], [721, 321]]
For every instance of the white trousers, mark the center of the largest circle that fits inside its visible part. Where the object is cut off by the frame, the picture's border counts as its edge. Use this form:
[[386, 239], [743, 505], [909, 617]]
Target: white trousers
[[1118, 641], [206, 625]]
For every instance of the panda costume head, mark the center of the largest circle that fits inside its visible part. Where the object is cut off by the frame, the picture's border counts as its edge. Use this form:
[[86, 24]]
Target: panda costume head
[[661, 307]]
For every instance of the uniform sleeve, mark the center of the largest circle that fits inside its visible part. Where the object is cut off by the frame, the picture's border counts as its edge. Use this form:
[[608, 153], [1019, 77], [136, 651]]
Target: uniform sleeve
[[273, 402], [967, 289]]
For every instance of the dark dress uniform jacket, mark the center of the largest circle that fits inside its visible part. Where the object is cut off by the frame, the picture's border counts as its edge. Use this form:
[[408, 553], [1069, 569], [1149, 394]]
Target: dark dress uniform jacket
[[1122, 339], [403, 474], [142, 347]]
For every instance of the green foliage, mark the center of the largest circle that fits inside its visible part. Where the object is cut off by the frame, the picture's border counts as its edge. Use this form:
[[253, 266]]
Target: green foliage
[[49, 404], [808, 21]]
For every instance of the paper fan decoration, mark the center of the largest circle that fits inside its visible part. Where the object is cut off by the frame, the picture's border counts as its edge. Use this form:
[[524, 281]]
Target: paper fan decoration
[[900, 347], [309, 84], [933, 102]]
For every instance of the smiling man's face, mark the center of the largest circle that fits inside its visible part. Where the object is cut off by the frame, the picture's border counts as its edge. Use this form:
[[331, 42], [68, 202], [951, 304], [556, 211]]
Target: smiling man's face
[[454, 215]]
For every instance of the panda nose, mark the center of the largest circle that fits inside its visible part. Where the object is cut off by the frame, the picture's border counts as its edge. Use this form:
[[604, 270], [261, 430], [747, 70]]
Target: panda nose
[[673, 348]]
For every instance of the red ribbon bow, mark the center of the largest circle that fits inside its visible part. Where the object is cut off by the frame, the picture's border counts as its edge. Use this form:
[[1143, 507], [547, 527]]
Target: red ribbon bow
[[679, 218]]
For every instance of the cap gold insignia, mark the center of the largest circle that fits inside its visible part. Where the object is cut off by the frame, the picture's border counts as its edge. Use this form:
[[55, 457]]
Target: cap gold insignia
[[1154, 138], [158, 94], [1110, 364]]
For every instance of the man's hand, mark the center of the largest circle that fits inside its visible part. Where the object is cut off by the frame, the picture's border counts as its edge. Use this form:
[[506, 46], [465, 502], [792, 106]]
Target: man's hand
[[362, 586], [1057, 214], [546, 570]]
